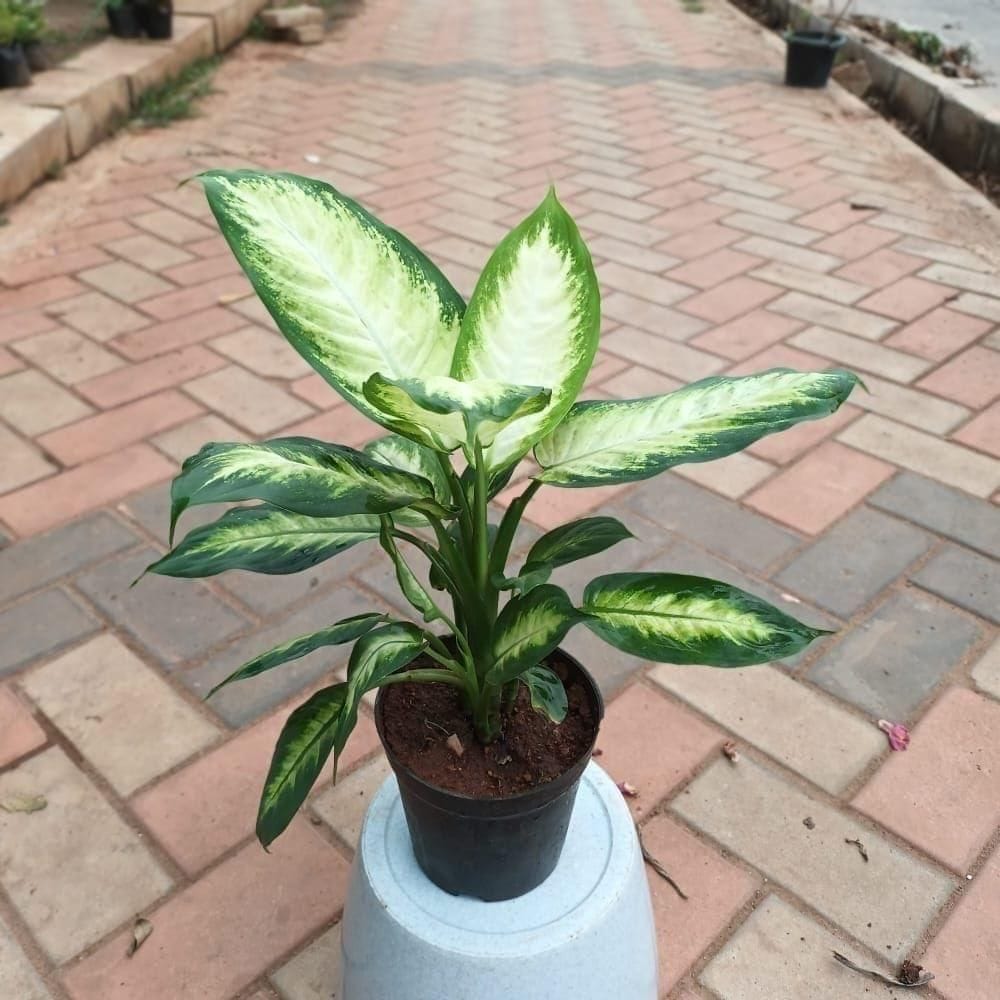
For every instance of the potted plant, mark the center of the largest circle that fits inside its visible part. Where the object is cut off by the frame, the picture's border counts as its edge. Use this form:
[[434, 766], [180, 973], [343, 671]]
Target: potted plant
[[14, 69], [810, 55], [29, 28], [123, 18], [156, 18], [489, 725]]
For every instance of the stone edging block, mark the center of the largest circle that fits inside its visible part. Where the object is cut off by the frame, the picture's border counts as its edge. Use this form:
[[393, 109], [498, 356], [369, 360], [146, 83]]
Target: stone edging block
[[68, 110]]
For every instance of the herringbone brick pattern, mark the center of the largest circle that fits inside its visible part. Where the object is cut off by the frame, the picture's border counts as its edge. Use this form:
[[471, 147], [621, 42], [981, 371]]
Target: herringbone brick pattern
[[736, 225]]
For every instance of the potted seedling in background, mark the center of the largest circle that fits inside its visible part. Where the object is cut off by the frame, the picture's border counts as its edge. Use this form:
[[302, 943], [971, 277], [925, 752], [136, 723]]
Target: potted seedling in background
[[156, 18], [467, 391], [29, 30], [123, 18], [14, 69], [810, 54]]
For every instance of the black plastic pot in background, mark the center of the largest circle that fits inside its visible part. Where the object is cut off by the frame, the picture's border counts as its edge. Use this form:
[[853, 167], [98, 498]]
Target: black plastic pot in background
[[156, 18], [492, 849], [34, 52], [14, 69], [124, 21], [810, 56]]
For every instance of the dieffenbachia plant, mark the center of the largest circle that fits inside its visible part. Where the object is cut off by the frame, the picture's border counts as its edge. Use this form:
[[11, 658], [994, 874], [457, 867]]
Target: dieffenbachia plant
[[486, 382]]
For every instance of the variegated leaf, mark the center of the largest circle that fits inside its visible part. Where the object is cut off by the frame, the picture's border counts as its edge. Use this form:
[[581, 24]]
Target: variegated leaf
[[444, 414], [409, 456], [299, 755], [547, 693], [376, 656], [346, 630], [577, 540], [528, 629], [673, 618], [351, 295], [619, 441], [264, 539], [297, 474], [534, 318]]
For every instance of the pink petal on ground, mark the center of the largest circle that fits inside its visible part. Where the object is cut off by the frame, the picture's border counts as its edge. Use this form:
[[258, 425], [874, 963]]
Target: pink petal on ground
[[899, 735]]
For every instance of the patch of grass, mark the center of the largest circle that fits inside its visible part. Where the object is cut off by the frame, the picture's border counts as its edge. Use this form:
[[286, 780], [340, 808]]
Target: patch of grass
[[692, 6], [53, 171], [175, 99]]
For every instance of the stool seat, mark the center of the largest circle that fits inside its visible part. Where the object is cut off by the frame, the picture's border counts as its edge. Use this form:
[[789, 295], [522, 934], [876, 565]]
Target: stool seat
[[586, 933]]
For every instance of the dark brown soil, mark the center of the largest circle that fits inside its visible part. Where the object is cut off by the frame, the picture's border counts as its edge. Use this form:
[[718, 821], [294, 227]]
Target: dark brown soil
[[417, 720]]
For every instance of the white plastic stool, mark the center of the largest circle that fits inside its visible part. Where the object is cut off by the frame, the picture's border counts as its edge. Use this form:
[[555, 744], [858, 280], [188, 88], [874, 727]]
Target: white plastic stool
[[586, 933]]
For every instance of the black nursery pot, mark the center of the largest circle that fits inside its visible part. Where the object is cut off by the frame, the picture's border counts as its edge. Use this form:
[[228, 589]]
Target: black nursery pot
[[809, 58], [157, 19], [34, 52], [492, 849], [123, 21], [14, 69]]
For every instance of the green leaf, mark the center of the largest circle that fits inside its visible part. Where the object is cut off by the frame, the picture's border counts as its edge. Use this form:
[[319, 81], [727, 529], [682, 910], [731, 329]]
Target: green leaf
[[351, 295], [346, 630], [302, 749], [264, 539], [672, 618], [409, 456], [411, 587], [376, 656], [620, 441], [445, 414], [577, 540], [548, 695], [534, 318], [297, 474], [528, 629]]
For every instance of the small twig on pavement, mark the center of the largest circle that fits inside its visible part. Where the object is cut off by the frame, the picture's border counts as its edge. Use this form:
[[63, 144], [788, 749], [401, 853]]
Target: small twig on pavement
[[657, 867], [923, 980], [857, 843]]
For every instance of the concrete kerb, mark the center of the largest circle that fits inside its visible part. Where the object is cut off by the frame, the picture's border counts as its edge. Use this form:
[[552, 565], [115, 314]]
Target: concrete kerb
[[956, 123], [70, 109]]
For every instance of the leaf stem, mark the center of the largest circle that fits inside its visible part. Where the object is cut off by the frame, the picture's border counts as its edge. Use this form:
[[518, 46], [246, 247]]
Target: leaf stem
[[424, 676]]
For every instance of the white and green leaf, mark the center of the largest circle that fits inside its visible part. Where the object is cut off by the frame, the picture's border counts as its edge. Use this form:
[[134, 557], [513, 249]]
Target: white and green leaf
[[408, 456], [346, 630], [302, 749], [264, 539], [586, 537], [444, 413], [618, 441], [351, 295], [547, 693], [376, 656], [672, 618], [534, 318], [528, 629], [297, 474]]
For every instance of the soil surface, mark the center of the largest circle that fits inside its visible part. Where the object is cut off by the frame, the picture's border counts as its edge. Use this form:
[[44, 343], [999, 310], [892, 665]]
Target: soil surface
[[418, 719]]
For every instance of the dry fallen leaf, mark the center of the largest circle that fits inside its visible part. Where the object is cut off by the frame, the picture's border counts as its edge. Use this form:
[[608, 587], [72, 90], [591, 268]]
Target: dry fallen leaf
[[729, 749], [629, 791], [225, 300], [142, 929], [22, 802], [923, 979]]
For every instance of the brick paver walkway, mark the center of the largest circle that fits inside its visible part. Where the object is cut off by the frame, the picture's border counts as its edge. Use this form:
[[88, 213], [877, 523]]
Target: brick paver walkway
[[736, 225]]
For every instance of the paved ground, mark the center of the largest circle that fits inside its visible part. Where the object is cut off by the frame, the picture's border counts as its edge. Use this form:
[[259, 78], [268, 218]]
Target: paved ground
[[737, 225]]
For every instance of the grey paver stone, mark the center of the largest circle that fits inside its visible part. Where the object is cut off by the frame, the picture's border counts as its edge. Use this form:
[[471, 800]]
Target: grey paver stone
[[314, 973], [343, 805], [121, 715], [892, 660], [18, 978], [780, 954], [758, 815], [850, 564], [965, 578], [73, 870], [722, 526], [176, 619], [241, 702], [37, 561], [767, 708], [986, 672], [942, 509], [40, 626]]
